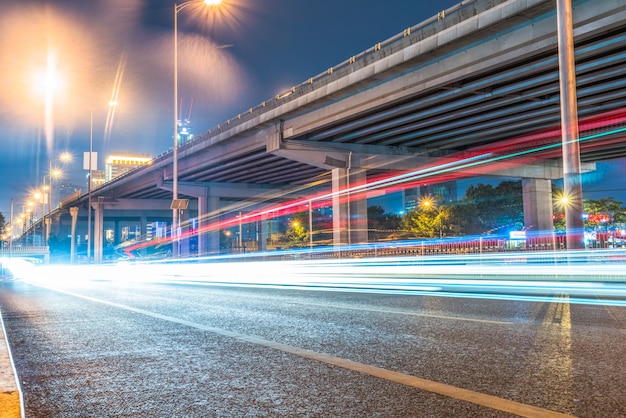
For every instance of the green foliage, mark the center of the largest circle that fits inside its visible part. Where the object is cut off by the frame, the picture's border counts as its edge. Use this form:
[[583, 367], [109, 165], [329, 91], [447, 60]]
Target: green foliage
[[427, 222], [297, 234], [381, 224], [2, 223], [558, 209], [606, 206], [559, 222], [485, 208]]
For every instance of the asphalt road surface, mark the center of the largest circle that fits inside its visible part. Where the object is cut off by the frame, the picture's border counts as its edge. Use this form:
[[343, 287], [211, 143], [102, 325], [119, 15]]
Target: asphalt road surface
[[131, 349]]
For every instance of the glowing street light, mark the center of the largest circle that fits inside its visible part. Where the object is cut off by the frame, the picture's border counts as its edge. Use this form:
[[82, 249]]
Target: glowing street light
[[176, 205], [47, 190], [49, 82], [54, 172], [428, 203]]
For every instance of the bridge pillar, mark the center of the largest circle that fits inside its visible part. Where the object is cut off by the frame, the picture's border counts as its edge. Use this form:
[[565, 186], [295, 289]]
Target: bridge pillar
[[74, 215], [262, 232], [143, 225], [537, 201], [183, 218], [349, 213], [208, 211], [98, 230]]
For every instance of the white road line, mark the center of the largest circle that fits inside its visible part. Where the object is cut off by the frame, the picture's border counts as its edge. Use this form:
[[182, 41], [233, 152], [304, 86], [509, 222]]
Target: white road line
[[450, 391]]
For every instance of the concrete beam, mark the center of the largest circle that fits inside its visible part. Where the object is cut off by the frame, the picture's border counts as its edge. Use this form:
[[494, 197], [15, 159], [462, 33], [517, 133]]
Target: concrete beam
[[336, 155], [132, 204]]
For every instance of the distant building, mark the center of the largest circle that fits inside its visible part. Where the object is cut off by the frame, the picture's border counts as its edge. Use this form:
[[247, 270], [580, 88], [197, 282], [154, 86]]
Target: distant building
[[98, 178], [61, 190], [116, 165], [411, 199], [443, 192], [184, 131]]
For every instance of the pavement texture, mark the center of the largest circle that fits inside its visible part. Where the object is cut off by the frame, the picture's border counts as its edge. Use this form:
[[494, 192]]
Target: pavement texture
[[125, 349]]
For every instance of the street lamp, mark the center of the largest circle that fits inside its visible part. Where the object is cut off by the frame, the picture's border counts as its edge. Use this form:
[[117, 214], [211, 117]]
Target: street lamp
[[28, 221], [39, 197], [429, 204], [53, 172], [175, 204], [64, 157]]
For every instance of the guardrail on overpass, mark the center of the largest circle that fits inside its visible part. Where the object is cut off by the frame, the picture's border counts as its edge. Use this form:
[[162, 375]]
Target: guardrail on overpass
[[34, 251]]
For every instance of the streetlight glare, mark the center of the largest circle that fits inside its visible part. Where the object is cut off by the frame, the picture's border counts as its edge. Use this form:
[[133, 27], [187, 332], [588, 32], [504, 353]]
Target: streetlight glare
[[66, 156], [175, 209], [426, 202], [48, 81]]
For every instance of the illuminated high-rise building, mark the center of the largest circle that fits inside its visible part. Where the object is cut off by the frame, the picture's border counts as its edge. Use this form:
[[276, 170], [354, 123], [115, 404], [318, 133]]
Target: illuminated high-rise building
[[116, 165], [184, 131]]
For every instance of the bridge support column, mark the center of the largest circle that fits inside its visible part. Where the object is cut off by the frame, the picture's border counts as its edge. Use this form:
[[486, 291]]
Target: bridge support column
[[572, 184], [537, 200], [74, 215], [349, 211], [143, 225], [183, 218], [98, 230], [208, 212], [262, 233]]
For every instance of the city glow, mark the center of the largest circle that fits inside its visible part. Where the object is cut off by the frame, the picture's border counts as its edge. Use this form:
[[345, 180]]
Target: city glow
[[74, 66]]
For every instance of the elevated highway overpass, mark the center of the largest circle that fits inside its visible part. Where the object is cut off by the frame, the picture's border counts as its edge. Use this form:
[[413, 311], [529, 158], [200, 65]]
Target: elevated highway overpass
[[474, 89]]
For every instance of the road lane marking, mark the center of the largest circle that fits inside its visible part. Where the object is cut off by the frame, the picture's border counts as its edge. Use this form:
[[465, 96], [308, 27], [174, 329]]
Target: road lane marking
[[443, 389], [553, 344]]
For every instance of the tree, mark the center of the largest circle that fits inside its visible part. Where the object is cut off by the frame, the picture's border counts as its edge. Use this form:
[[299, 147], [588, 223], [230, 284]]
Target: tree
[[558, 209], [427, 220], [297, 235], [2, 224], [485, 208], [607, 211], [381, 224]]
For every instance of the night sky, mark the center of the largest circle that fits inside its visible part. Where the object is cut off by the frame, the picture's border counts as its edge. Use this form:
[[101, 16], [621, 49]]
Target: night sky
[[228, 62]]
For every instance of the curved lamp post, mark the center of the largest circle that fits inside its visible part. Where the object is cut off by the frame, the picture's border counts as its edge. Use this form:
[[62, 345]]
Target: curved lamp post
[[175, 204]]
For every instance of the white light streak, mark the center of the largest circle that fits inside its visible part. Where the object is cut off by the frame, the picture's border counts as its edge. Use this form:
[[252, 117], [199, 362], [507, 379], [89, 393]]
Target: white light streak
[[586, 277]]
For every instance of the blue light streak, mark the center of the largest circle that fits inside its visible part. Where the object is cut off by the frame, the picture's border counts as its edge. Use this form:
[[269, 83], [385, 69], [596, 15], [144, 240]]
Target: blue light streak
[[582, 277]]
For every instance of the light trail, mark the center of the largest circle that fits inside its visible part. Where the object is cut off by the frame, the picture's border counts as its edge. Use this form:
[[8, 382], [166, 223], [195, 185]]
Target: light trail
[[479, 160], [115, 94], [587, 277]]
